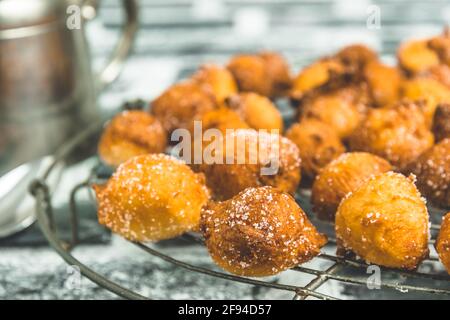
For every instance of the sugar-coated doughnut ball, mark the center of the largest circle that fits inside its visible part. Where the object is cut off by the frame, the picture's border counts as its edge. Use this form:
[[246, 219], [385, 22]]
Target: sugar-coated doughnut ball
[[335, 110], [217, 80], [415, 56], [341, 177], [222, 119], [278, 71], [441, 122], [256, 110], [316, 75], [318, 145], [441, 45], [356, 56], [443, 242], [398, 134], [181, 104], [151, 197], [433, 174], [266, 73], [129, 134], [251, 74], [429, 92], [250, 158], [440, 73], [259, 232], [384, 83], [385, 222]]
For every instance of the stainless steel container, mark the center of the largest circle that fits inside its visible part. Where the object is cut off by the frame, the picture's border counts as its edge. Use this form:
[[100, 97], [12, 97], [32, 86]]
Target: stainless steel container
[[47, 87]]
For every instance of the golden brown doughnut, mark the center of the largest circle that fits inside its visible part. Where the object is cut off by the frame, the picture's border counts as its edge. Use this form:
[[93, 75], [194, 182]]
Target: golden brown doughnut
[[341, 177], [279, 73], [441, 45], [253, 159], [440, 73], [443, 242], [256, 110], [251, 74], [398, 134], [222, 119], [318, 74], [318, 145], [441, 122], [333, 109], [416, 57], [259, 232], [356, 57], [182, 103], [266, 73], [385, 222], [429, 92], [383, 81], [129, 134], [433, 174], [151, 197], [217, 80]]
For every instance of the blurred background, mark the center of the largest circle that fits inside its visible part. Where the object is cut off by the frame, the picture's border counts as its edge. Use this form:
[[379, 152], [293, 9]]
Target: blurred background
[[174, 38]]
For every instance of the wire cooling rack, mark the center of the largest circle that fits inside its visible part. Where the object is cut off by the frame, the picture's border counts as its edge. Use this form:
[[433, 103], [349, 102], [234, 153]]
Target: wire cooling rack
[[434, 282]]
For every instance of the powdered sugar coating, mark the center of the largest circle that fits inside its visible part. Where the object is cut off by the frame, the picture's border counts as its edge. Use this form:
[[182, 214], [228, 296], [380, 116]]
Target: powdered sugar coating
[[342, 176], [443, 242], [259, 232], [151, 197], [129, 134], [385, 222], [433, 174], [398, 134]]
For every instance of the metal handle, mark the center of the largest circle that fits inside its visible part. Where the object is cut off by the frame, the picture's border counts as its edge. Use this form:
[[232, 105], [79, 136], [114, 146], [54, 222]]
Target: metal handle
[[113, 68]]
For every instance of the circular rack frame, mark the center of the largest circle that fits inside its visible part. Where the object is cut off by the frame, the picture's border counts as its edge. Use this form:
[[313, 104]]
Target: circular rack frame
[[44, 212]]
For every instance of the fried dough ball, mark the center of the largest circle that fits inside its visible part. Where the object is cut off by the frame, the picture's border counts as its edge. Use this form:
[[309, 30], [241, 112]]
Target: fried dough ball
[[429, 91], [433, 174], [256, 110], [385, 222], [441, 45], [217, 80], [416, 57], [356, 57], [278, 71], [151, 197], [316, 75], [129, 134], [318, 145], [333, 72], [440, 73], [251, 74], [222, 119], [441, 122], [398, 134], [266, 73], [182, 103], [443, 242], [334, 110], [247, 158], [342, 176], [259, 232], [384, 82]]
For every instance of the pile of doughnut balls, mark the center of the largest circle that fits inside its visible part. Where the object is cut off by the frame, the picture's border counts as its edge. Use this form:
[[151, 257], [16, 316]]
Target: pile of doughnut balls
[[372, 142]]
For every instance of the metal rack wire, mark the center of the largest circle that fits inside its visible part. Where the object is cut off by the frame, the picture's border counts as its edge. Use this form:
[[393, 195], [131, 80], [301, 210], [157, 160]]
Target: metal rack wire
[[44, 212]]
